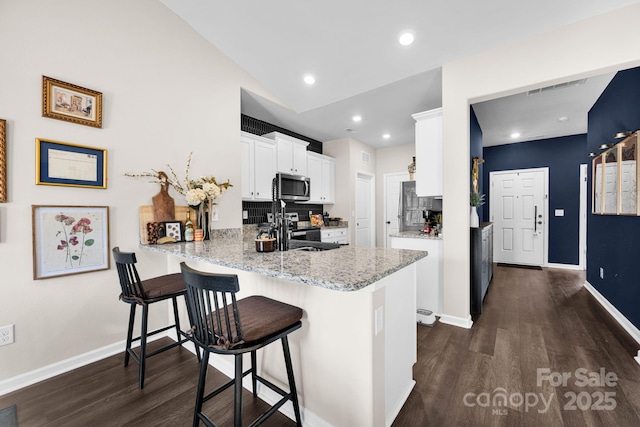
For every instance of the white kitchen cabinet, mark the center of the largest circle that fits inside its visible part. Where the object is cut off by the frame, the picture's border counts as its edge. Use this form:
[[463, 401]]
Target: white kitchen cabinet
[[322, 172], [291, 153], [335, 235], [258, 167], [429, 273], [429, 152]]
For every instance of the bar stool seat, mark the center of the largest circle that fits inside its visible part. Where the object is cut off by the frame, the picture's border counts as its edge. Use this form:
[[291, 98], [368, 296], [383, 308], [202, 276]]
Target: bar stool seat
[[223, 325], [143, 293]]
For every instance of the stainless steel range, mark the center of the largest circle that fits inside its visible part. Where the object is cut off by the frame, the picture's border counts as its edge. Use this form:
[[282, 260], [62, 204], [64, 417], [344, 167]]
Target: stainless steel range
[[312, 234]]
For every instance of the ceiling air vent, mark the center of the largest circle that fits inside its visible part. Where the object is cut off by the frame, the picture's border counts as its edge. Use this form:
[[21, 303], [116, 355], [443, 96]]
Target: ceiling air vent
[[366, 157], [558, 86]]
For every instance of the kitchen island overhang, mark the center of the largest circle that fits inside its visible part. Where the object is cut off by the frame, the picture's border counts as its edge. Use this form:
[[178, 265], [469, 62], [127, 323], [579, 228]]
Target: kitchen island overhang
[[354, 355]]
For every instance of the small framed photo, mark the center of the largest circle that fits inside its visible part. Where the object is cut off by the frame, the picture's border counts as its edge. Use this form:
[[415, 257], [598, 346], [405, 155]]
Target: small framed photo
[[61, 163], [69, 240], [65, 101], [173, 229]]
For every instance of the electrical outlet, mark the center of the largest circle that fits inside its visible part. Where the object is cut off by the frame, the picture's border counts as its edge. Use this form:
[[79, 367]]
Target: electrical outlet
[[6, 335], [245, 214], [601, 273], [214, 213]]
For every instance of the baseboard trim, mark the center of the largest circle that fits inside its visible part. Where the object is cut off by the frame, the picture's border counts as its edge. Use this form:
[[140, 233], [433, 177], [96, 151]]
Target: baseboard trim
[[619, 317], [50, 371], [457, 321], [564, 266], [401, 402]]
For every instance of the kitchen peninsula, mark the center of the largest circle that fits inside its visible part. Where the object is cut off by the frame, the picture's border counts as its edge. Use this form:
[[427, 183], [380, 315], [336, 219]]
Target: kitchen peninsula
[[354, 355]]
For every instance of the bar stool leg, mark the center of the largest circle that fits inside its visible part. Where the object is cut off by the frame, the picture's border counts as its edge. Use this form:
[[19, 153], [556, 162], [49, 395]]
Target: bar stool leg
[[237, 393], [254, 380], [132, 317], [292, 382], [200, 391], [176, 318], [143, 343]]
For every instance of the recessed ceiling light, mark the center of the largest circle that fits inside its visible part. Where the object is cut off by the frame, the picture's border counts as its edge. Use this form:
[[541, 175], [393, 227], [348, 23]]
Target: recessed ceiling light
[[515, 135], [563, 119], [309, 79], [356, 118], [386, 136], [406, 37]]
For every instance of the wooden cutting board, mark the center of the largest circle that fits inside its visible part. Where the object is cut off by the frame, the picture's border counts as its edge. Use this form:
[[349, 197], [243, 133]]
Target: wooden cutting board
[[163, 203]]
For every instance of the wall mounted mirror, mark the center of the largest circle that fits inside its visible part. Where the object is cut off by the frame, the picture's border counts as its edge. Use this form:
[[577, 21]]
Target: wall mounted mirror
[[615, 179], [597, 184], [629, 176]]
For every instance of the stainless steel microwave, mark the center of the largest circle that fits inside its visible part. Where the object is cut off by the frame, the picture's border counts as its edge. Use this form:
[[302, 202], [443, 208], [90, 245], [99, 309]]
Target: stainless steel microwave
[[293, 187]]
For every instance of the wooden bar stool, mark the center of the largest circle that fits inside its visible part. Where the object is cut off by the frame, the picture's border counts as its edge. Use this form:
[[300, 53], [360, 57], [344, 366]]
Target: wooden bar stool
[[145, 292], [222, 325]]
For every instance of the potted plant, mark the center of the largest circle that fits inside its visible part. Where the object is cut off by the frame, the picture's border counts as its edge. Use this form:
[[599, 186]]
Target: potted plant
[[475, 200]]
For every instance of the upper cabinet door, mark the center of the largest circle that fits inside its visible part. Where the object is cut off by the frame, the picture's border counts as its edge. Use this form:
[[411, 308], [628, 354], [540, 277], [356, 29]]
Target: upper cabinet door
[[285, 155], [247, 179], [265, 169], [292, 153], [429, 153], [258, 167]]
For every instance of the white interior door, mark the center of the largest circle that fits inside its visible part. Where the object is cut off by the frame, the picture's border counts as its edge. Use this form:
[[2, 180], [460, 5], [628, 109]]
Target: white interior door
[[582, 242], [364, 212], [392, 204], [518, 211]]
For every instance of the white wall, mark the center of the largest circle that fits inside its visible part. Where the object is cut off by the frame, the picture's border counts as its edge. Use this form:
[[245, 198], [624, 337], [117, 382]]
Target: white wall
[[602, 44], [348, 155], [166, 92], [394, 159]]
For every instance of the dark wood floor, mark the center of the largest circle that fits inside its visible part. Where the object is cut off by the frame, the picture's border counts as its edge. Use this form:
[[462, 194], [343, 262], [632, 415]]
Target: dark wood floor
[[532, 319]]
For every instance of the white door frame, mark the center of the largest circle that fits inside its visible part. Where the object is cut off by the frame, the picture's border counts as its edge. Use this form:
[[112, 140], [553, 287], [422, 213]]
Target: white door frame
[[545, 229], [384, 202], [582, 239], [372, 206]]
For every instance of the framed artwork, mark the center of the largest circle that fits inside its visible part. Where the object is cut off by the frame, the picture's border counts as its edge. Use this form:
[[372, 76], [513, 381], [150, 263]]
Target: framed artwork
[[61, 163], [158, 230], [173, 229], [69, 240], [3, 160], [65, 101]]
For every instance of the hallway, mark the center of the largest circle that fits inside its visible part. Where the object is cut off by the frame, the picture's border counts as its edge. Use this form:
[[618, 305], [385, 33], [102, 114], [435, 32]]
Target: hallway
[[536, 325]]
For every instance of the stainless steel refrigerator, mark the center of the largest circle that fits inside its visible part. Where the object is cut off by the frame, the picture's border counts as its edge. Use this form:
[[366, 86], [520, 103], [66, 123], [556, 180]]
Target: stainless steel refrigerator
[[413, 209]]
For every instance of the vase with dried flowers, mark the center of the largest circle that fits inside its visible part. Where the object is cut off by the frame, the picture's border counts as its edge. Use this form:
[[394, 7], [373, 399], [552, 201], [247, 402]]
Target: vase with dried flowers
[[201, 193]]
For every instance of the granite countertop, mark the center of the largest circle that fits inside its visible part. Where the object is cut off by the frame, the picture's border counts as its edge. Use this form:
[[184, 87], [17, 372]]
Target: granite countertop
[[416, 235], [347, 268]]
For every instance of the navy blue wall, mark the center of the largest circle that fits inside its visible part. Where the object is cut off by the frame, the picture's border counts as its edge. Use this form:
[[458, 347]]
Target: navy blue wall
[[613, 242], [475, 137], [563, 157]]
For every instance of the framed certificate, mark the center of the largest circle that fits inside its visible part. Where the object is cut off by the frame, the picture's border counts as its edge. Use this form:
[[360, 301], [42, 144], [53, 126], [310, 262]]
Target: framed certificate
[[60, 163]]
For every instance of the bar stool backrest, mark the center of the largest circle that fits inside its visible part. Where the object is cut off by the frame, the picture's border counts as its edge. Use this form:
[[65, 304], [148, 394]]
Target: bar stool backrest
[[212, 307], [132, 289]]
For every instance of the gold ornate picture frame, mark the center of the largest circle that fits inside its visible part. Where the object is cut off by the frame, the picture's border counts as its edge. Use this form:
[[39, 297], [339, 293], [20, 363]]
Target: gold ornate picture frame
[[66, 101], [3, 161]]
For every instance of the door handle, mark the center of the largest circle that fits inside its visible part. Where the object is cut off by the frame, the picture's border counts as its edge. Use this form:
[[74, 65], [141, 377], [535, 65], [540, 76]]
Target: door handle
[[388, 222], [535, 219]]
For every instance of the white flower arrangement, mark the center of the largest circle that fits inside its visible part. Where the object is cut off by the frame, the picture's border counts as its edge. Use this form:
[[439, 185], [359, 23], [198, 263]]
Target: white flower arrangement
[[201, 192]]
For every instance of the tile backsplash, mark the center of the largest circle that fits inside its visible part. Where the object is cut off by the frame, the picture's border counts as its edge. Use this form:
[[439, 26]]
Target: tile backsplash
[[257, 211]]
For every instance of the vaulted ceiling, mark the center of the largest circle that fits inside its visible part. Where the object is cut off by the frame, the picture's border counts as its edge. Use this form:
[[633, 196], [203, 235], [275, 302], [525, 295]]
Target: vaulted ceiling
[[351, 49]]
